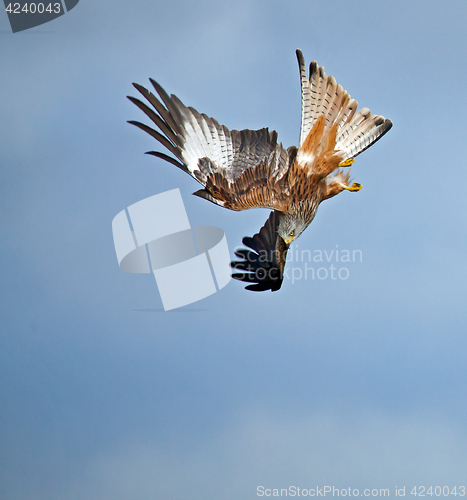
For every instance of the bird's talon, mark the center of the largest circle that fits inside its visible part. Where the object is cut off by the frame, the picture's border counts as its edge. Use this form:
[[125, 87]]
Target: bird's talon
[[347, 162], [354, 187]]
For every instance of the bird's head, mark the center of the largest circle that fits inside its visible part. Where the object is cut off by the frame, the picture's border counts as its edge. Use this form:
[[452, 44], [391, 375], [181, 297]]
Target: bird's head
[[290, 228]]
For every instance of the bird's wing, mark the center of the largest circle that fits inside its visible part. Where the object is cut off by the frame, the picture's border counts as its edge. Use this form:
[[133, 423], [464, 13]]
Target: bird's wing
[[321, 95], [238, 169], [263, 265]]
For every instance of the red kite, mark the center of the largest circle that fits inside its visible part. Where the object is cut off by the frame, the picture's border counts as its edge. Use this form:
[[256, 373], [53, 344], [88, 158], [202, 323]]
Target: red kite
[[249, 169]]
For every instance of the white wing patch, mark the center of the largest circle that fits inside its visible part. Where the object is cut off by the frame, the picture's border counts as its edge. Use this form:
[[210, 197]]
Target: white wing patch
[[201, 146]]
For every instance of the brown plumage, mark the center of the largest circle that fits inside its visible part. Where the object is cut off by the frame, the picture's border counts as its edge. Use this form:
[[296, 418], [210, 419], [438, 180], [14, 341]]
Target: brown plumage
[[247, 169]]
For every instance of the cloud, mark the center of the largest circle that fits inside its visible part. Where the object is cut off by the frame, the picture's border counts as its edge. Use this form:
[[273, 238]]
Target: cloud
[[369, 450]]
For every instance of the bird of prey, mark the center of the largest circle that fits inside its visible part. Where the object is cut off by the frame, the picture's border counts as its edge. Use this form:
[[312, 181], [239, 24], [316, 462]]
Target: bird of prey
[[247, 169]]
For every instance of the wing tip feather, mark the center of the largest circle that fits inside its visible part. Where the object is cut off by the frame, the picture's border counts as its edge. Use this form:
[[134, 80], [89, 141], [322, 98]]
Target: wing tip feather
[[300, 58]]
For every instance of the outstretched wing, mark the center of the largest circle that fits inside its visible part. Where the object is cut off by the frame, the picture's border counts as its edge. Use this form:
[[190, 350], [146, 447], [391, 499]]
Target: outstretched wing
[[321, 95], [238, 169], [263, 265]]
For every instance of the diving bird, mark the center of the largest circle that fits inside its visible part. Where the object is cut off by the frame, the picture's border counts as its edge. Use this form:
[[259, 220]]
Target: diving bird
[[247, 169]]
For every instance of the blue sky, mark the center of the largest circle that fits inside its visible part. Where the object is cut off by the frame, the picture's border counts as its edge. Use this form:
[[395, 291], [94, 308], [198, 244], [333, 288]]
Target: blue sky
[[351, 383]]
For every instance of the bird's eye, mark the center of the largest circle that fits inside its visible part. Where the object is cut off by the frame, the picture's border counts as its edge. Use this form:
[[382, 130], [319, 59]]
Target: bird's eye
[[292, 233]]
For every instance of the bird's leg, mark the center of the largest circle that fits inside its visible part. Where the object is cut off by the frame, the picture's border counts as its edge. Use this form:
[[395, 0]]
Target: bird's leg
[[355, 186]]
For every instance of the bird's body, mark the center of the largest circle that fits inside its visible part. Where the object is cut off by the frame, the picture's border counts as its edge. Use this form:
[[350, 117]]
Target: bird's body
[[247, 169]]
